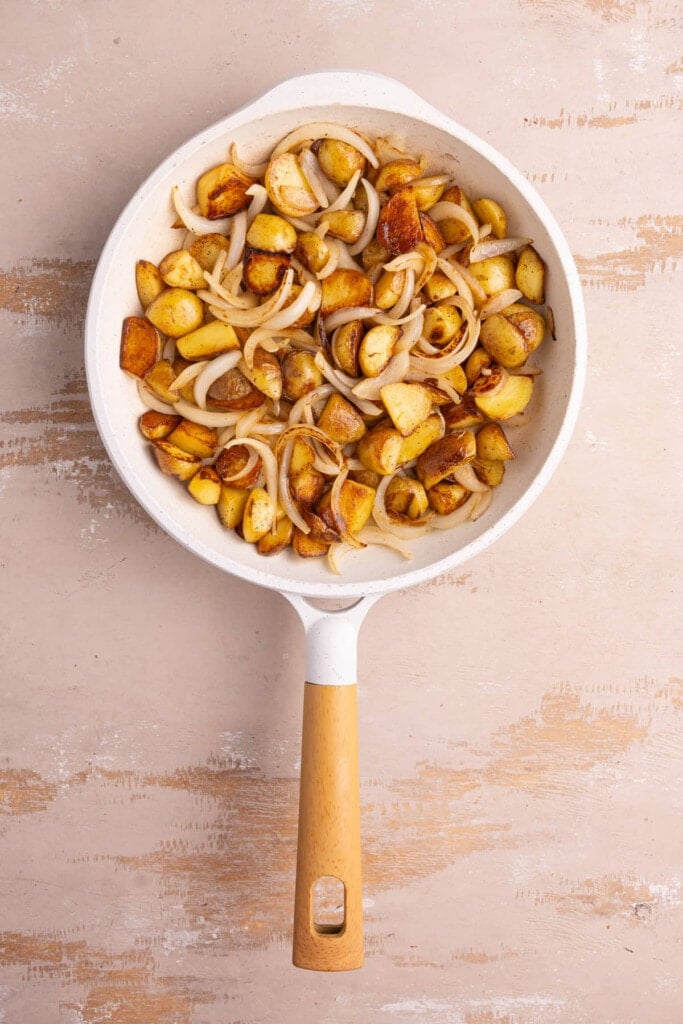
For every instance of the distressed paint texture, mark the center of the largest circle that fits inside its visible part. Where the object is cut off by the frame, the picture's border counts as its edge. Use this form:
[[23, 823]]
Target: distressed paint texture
[[521, 720]]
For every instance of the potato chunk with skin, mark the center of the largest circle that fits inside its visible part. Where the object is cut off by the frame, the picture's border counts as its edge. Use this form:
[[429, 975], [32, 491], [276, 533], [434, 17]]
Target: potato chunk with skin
[[155, 426], [194, 438], [288, 188], [271, 234], [205, 486], [345, 288], [174, 461], [396, 174], [490, 212], [511, 336], [306, 486], [492, 444], [511, 400], [148, 282], [232, 391], [176, 311], [408, 405], [445, 497], [265, 374], [312, 251], [380, 449], [377, 348], [263, 272], [406, 497], [445, 455], [530, 275], [160, 378], [399, 228], [355, 506], [489, 471], [345, 346], [299, 375], [222, 191], [140, 346], [341, 420], [339, 160], [207, 341], [420, 439], [207, 248], [307, 545], [345, 225], [179, 269], [258, 516], [494, 274], [275, 541], [231, 504]]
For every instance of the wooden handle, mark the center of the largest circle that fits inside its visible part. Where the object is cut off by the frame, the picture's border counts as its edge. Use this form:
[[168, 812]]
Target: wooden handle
[[329, 829]]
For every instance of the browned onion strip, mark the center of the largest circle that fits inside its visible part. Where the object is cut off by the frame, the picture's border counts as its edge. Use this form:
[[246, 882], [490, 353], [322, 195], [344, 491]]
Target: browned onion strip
[[345, 197], [251, 170], [332, 375], [442, 210], [467, 478], [496, 247], [497, 303], [430, 263], [269, 467], [346, 315], [372, 216], [325, 130]]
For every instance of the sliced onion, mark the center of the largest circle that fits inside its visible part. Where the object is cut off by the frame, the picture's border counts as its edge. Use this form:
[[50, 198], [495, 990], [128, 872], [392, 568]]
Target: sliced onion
[[382, 318], [496, 247], [371, 218], [188, 374], [258, 203], [307, 401], [384, 520], [313, 175], [467, 478], [269, 467], [206, 417], [300, 223], [325, 130], [455, 277], [222, 295], [475, 287], [274, 340], [410, 334], [497, 303], [194, 221], [211, 372], [152, 402], [345, 258], [238, 234], [308, 299], [461, 515], [248, 421], [440, 211], [226, 435], [268, 428], [331, 262], [346, 315], [251, 170], [345, 197], [430, 263], [286, 500], [245, 470], [333, 376], [395, 370], [482, 504], [169, 350], [257, 316], [373, 535], [403, 301]]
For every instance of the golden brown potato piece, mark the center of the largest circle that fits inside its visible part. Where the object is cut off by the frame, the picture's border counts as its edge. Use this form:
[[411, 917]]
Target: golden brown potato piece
[[439, 287], [207, 341], [307, 545], [263, 271], [492, 444], [445, 497], [427, 194], [207, 248], [160, 378], [343, 288], [464, 414], [140, 346], [490, 212], [511, 336], [408, 405], [288, 188], [445, 455], [355, 506], [345, 345], [494, 274], [339, 160], [265, 374], [299, 375], [374, 253], [396, 174], [259, 515], [222, 191], [155, 426], [377, 348], [148, 282], [511, 400], [530, 275], [173, 461], [232, 467], [406, 497], [179, 269], [441, 324], [302, 457], [476, 362], [205, 486], [231, 504], [232, 391], [346, 225], [380, 449], [341, 420], [489, 471], [431, 232], [388, 288], [272, 543], [453, 230], [420, 439], [399, 228], [271, 234], [306, 486], [312, 251], [195, 438], [176, 311]]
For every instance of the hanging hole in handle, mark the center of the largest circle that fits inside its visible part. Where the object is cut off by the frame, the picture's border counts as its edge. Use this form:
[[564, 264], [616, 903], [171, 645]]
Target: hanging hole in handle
[[328, 905]]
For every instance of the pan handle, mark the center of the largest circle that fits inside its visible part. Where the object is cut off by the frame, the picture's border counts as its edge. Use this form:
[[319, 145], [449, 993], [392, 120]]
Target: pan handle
[[329, 937]]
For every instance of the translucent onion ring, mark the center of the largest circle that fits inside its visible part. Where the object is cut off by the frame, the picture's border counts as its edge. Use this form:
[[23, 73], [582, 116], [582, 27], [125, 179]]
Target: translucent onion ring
[[213, 369], [325, 130]]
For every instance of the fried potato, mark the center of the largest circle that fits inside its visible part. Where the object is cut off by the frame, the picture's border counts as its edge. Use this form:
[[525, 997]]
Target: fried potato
[[222, 191], [408, 405], [140, 346]]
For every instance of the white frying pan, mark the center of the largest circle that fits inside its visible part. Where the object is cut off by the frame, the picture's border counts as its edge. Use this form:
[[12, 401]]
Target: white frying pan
[[329, 821]]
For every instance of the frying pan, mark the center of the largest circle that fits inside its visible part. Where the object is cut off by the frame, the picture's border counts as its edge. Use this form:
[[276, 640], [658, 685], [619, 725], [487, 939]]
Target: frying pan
[[329, 811]]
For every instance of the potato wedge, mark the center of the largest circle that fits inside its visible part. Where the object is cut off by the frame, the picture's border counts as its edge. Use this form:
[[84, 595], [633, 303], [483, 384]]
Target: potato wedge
[[265, 374], [176, 311], [160, 378], [432, 235], [307, 545], [445, 455], [207, 341], [231, 504], [406, 497], [373, 254], [155, 426], [343, 288], [376, 348], [511, 400], [425, 434], [388, 288], [489, 471], [399, 228], [492, 444], [477, 361], [273, 542], [299, 375], [271, 234], [222, 191], [380, 449], [339, 160], [303, 456], [464, 414], [345, 345], [445, 497], [346, 225], [494, 274], [179, 269], [408, 405], [288, 188], [140, 346], [439, 287], [427, 194], [312, 251], [258, 516], [207, 248], [530, 275], [490, 212], [306, 486], [453, 230], [148, 282], [205, 486], [263, 272], [174, 461], [341, 420], [195, 438], [355, 506]]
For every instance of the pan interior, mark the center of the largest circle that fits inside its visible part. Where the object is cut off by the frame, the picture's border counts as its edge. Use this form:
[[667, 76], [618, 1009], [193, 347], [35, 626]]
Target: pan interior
[[143, 231]]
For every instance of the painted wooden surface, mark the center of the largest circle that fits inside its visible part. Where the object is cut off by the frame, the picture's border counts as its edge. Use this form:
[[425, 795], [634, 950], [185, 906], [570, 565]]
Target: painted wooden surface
[[520, 736]]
